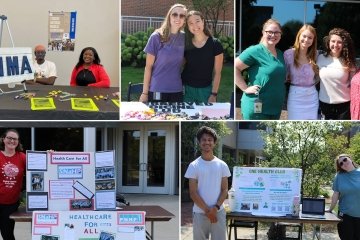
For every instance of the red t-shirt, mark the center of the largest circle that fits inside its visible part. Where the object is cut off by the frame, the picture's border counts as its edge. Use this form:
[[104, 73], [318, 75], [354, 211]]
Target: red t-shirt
[[12, 170]]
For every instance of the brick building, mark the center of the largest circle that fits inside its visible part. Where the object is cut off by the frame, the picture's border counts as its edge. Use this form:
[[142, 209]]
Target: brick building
[[158, 8]]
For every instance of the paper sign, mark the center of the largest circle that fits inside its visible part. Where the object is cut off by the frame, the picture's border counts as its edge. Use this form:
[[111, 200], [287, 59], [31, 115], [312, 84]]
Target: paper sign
[[83, 104], [70, 172], [69, 158], [37, 201], [61, 189], [104, 159], [36, 160], [83, 190], [42, 104], [105, 200]]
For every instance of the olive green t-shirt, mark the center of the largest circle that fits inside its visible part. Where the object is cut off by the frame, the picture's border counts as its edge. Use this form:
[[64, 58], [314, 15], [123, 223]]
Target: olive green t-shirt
[[269, 72]]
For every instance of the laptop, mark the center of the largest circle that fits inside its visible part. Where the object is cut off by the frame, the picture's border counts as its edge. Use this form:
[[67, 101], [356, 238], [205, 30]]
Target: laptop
[[313, 208]]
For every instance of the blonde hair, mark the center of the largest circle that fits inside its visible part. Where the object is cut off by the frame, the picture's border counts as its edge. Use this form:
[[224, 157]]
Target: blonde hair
[[312, 50], [267, 23], [164, 30]]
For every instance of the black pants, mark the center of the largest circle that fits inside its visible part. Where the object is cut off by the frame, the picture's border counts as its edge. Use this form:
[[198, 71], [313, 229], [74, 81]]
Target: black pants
[[348, 229], [340, 111], [7, 225], [166, 97]]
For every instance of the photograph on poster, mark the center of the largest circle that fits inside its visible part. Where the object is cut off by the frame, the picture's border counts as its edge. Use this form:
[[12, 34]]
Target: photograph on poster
[[83, 190], [105, 185], [81, 204], [105, 200], [37, 181], [36, 161], [69, 231], [104, 159], [61, 189], [70, 171], [106, 236], [104, 172], [50, 237], [37, 201]]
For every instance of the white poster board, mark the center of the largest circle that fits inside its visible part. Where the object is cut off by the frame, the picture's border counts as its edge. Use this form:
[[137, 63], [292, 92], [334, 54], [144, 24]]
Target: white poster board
[[16, 65], [266, 191], [91, 225], [63, 181]]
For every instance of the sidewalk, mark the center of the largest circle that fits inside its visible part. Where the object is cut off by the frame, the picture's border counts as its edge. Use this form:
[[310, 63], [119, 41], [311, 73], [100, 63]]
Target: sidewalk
[[163, 230], [245, 233]]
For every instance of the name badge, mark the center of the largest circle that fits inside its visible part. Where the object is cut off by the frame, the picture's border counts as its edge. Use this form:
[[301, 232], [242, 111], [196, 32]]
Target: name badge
[[258, 106]]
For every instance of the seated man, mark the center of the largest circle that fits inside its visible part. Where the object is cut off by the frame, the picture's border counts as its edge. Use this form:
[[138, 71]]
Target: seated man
[[44, 70]]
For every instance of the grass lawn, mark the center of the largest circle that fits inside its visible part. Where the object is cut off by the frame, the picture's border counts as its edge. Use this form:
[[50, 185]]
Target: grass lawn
[[135, 75]]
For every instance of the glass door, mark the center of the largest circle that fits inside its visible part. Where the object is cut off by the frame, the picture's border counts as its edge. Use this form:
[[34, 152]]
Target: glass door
[[145, 159]]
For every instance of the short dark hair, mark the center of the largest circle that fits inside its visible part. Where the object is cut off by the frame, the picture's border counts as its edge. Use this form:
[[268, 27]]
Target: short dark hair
[[18, 148], [206, 130]]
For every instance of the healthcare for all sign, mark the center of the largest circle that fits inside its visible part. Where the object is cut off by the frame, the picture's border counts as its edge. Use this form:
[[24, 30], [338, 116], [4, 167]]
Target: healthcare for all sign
[[90, 225], [16, 65], [266, 191]]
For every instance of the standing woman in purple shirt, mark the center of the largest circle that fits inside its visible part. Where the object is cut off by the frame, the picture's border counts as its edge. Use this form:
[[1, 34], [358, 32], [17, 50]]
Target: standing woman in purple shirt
[[303, 99], [164, 56]]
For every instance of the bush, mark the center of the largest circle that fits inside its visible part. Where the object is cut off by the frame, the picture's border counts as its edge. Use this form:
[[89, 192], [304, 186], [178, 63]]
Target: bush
[[228, 45]]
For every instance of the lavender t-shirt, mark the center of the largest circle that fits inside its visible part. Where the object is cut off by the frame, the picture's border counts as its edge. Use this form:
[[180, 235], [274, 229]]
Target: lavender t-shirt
[[165, 76]]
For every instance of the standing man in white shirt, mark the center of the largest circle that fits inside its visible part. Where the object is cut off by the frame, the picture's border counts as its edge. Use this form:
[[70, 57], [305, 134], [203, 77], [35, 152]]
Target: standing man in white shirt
[[44, 70], [208, 185]]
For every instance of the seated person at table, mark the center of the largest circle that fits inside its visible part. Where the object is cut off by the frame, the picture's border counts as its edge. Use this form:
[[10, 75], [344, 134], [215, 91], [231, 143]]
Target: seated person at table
[[88, 71], [44, 70]]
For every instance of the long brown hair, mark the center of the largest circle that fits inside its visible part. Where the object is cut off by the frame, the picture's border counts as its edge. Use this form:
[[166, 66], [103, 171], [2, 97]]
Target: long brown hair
[[18, 148], [347, 55], [164, 30], [188, 34], [312, 50]]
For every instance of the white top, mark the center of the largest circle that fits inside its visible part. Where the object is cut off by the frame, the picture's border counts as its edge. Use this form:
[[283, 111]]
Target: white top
[[334, 80], [47, 69], [209, 175]]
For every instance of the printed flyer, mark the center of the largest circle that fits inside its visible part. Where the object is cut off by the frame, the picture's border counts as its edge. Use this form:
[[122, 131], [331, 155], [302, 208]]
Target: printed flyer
[[266, 191]]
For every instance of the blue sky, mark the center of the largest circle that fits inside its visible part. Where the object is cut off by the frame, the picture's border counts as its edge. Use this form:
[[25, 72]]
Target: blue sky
[[286, 10]]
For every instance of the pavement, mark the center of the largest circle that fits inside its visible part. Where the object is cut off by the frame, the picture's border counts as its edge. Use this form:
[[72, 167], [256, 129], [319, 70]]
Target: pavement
[[163, 230], [328, 233]]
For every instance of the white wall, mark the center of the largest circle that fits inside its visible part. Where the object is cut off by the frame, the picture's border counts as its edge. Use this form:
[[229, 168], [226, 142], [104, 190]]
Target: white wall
[[97, 26]]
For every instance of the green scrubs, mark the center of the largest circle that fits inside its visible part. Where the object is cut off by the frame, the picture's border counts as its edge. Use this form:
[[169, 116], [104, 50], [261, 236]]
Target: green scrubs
[[194, 94], [268, 72]]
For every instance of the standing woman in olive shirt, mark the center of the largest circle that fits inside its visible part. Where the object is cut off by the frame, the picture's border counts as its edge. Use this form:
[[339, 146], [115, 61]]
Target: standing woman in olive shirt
[[264, 95]]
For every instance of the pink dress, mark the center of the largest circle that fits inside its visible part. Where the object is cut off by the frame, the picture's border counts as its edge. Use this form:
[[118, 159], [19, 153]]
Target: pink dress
[[355, 97]]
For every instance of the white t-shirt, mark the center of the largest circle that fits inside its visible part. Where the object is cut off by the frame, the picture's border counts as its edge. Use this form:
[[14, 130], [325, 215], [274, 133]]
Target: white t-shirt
[[209, 175], [334, 80], [47, 69]]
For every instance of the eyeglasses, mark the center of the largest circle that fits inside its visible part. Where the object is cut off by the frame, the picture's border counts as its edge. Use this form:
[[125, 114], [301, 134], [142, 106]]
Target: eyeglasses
[[342, 160], [12, 139], [180, 15], [270, 33]]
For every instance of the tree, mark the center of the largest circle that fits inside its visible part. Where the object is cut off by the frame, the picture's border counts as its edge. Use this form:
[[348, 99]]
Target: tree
[[311, 146], [213, 11]]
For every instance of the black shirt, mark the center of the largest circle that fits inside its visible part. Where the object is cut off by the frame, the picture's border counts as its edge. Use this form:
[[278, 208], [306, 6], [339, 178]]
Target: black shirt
[[85, 77], [199, 66]]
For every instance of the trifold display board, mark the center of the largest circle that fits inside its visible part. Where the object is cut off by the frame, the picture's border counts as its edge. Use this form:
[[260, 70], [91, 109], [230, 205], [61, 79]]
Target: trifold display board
[[88, 225], [266, 191], [63, 181]]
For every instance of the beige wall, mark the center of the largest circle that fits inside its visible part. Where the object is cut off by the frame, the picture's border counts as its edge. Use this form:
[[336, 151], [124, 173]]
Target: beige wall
[[97, 26]]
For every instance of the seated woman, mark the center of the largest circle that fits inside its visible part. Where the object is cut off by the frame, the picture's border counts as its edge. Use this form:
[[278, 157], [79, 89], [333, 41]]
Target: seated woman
[[88, 71]]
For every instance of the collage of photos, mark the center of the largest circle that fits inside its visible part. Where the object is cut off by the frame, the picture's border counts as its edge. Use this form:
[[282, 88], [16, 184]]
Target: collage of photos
[[180, 120]]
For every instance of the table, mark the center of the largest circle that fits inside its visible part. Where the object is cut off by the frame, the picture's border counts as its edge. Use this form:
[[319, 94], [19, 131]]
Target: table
[[330, 218], [154, 213], [174, 111], [19, 109]]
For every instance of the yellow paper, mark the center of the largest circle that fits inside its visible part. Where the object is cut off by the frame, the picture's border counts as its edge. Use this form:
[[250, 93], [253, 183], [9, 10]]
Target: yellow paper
[[83, 104], [116, 102], [42, 104]]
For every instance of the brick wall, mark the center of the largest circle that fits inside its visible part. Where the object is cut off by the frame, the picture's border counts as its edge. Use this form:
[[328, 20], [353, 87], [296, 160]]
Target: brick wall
[[158, 8]]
